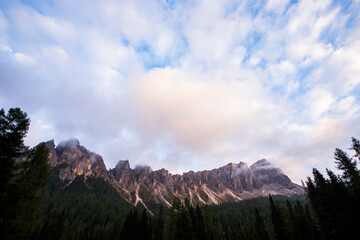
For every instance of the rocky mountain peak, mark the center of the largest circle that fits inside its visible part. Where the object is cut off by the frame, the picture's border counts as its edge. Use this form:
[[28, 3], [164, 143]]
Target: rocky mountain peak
[[50, 143], [123, 165], [75, 159], [262, 163], [268, 173], [71, 143], [52, 153]]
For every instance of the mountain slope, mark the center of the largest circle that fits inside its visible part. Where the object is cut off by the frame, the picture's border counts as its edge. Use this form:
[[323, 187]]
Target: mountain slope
[[230, 183]]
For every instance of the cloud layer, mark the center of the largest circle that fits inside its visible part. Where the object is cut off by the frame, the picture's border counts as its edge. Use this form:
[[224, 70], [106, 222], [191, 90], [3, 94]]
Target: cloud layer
[[187, 84]]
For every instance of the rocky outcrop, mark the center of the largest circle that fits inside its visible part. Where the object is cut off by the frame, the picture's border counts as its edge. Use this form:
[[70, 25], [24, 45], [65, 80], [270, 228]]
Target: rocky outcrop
[[142, 185], [74, 160], [232, 182]]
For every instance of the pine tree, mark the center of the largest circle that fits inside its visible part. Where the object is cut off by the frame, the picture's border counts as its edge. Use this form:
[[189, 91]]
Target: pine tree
[[334, 201], [260, 227], [184, 229], [13, 129], [144, 227], [199, 224], [291, 221], [209, 232], [130, 228], [356, 147], [350, 172], [159, 225], [23, 173], [277, 221], [300, 224]]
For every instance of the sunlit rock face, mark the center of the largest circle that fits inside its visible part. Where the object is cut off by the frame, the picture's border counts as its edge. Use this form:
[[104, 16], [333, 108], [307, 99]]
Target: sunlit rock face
[[142, 185], [75, 160]]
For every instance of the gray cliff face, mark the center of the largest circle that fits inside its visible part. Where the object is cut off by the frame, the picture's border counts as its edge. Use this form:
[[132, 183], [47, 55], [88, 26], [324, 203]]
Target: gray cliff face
[[52, 153], [74, 160], [268, 173], [232, 182], [142, 185]]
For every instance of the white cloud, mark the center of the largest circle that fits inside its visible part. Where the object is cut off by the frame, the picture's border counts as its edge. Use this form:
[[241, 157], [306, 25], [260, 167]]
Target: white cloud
[[196, 112], [38, 129], [24, 59], [5, 48], [328, 128], [347, 107], [319, 102]]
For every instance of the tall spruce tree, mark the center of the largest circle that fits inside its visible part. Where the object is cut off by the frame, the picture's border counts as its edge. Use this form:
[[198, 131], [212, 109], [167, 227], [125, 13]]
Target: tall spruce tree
[[130, 229], [260, 227], [23, 173], [356, 147], [351, 174], [277, 221], [199, 224], [159, 233], [334, 201]]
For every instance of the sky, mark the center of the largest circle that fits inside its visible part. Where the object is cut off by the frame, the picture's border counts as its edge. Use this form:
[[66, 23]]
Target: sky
[[187, 85]]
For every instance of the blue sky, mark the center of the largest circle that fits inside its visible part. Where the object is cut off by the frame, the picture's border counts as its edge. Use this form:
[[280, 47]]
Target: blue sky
[[187, 85]]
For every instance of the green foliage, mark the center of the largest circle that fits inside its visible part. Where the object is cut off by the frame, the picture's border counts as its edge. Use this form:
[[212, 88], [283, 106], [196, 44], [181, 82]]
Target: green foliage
[[260, 227], [335, 201], [278, 221], [159, 226], [85, 209], [23, 173], [13, 129], [180, 222]]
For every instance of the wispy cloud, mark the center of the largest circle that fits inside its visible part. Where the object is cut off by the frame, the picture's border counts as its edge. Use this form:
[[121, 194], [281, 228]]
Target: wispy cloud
[[187, 84]]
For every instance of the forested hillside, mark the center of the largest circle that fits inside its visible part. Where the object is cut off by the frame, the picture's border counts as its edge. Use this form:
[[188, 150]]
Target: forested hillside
[[92, 209]]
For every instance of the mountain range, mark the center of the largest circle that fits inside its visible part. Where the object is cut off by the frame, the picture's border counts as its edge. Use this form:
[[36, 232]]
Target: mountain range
[[141, 185]]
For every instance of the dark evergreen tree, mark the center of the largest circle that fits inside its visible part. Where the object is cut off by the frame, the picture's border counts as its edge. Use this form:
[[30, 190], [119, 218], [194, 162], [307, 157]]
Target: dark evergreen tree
[[184, 229], [130, 228], [208, 223], [301, 227], [144, 228], [291, 221], [277, 221], [356, 147], [13, 129], [159, 229], [199, 224], [334, 201], [261, 232], [23, 172], [351, 174]]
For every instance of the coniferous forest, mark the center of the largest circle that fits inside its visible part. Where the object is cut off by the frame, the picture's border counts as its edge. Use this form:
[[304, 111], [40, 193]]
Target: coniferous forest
[[36, 204]]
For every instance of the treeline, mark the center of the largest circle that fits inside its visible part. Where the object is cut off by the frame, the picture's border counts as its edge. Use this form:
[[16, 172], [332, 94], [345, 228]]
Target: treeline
[[335, 200], [92, 209]]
